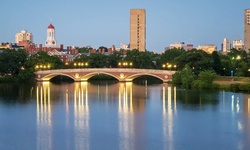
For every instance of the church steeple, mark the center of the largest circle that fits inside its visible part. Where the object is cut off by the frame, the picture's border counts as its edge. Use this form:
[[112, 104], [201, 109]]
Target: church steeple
[[51, 41]]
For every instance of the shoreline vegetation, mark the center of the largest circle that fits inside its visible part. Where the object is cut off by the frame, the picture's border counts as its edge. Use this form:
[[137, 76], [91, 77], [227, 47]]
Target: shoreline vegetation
[[234, 84]]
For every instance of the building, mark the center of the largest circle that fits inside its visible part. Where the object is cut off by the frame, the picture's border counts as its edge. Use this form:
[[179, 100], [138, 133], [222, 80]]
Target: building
[[180, 45], [51, 40], [23, 36], [209, 48], [7, 45], [190, 47], [238, 44], [247, 30], [124, 46], [138, 29], [226, 46]]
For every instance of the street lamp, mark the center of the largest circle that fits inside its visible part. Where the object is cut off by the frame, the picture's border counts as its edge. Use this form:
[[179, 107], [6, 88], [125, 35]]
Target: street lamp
[[125, 64], [43, 66], [169, 66], [80, 64]]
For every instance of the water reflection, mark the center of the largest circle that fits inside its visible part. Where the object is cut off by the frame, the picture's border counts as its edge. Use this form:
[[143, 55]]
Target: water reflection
[[81, 116], [131, 105], [126, 118], [44, 121], [168, 111]]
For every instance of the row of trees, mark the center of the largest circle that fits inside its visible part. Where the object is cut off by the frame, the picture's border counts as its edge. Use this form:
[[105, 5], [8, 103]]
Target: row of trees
[[19, 64]]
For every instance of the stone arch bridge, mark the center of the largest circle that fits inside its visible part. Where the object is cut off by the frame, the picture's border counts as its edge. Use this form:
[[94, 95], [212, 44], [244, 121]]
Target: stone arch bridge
[[121, 74]]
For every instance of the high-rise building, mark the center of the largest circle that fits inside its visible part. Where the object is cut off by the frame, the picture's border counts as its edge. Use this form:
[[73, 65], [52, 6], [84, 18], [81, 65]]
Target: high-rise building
[[247, 30], [226, 46], [138, 29], [24, 36], [51, 41], [238, 44]]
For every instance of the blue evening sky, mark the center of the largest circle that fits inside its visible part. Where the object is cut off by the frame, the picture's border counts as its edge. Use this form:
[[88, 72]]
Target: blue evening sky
[[106, 22]]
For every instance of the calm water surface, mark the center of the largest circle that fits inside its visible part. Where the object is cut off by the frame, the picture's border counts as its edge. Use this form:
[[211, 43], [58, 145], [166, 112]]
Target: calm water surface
[[121, 116]]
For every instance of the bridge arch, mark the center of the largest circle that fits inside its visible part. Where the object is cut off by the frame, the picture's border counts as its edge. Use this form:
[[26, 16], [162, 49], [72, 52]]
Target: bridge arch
[[52, 75], [132, 77], [92, 74]]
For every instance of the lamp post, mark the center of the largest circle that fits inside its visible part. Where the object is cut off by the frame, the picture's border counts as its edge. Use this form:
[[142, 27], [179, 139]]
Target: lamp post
[[125, 64], [81, 64], [169, 66], [42, 66]]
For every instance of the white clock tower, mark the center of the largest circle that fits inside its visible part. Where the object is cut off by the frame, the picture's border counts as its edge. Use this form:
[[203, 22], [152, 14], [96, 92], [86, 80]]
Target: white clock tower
[[51, 41]]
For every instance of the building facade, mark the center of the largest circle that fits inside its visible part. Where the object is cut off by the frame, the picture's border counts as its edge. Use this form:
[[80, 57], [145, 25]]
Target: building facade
[[209, 48], [226, 46], [247, 30], [238, 44], [138, 29], [51, 40], [23, 36], [180, 45]]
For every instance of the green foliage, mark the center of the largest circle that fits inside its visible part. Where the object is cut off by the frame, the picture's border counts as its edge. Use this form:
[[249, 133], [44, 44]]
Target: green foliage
[[235, 87], [12, 61], [171, 55], [42, 58], [84, 49], [245, 87], [185, 77], [97, 60], [26, 75], [141, 59], [198, 60], [217, 62], [113, 59], [205, 80]]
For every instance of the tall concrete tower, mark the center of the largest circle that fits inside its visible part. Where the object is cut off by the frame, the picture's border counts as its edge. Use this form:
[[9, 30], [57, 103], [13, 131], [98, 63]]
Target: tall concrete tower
[[247, 30], [138, 29], [51, 41], [226, 46]]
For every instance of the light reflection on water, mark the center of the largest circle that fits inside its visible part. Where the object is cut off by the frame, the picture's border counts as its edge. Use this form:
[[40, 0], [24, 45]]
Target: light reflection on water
[[44, 121], [167, 116], [143, 117], [81, 116]]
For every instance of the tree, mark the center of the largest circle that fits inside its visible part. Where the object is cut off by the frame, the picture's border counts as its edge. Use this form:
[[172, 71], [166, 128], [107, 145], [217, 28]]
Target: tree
[[140, 59], [217, 62], [84, 49], [185, 77], [42, 58], [12, 61], [97, 60], [197, 60], [170, 55], [205, 80], [114, 58]]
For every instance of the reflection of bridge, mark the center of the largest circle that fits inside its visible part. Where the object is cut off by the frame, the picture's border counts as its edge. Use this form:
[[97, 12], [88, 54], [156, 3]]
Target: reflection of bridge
[[121, 74]]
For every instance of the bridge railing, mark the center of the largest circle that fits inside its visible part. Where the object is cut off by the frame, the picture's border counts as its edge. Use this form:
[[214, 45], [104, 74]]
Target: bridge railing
[[106, 69]]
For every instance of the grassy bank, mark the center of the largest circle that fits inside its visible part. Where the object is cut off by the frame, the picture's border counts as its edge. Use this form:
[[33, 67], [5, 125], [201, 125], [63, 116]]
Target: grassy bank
[[236, 84]]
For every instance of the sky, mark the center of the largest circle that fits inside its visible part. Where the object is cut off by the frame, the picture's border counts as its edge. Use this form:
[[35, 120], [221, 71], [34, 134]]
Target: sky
[[98, 23]]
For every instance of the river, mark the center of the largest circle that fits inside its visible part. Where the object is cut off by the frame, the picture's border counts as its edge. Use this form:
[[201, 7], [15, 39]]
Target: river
[[121, 116]]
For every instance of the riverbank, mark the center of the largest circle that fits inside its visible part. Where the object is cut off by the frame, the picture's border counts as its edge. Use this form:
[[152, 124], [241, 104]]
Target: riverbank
[[236, 84], [225, 80]]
